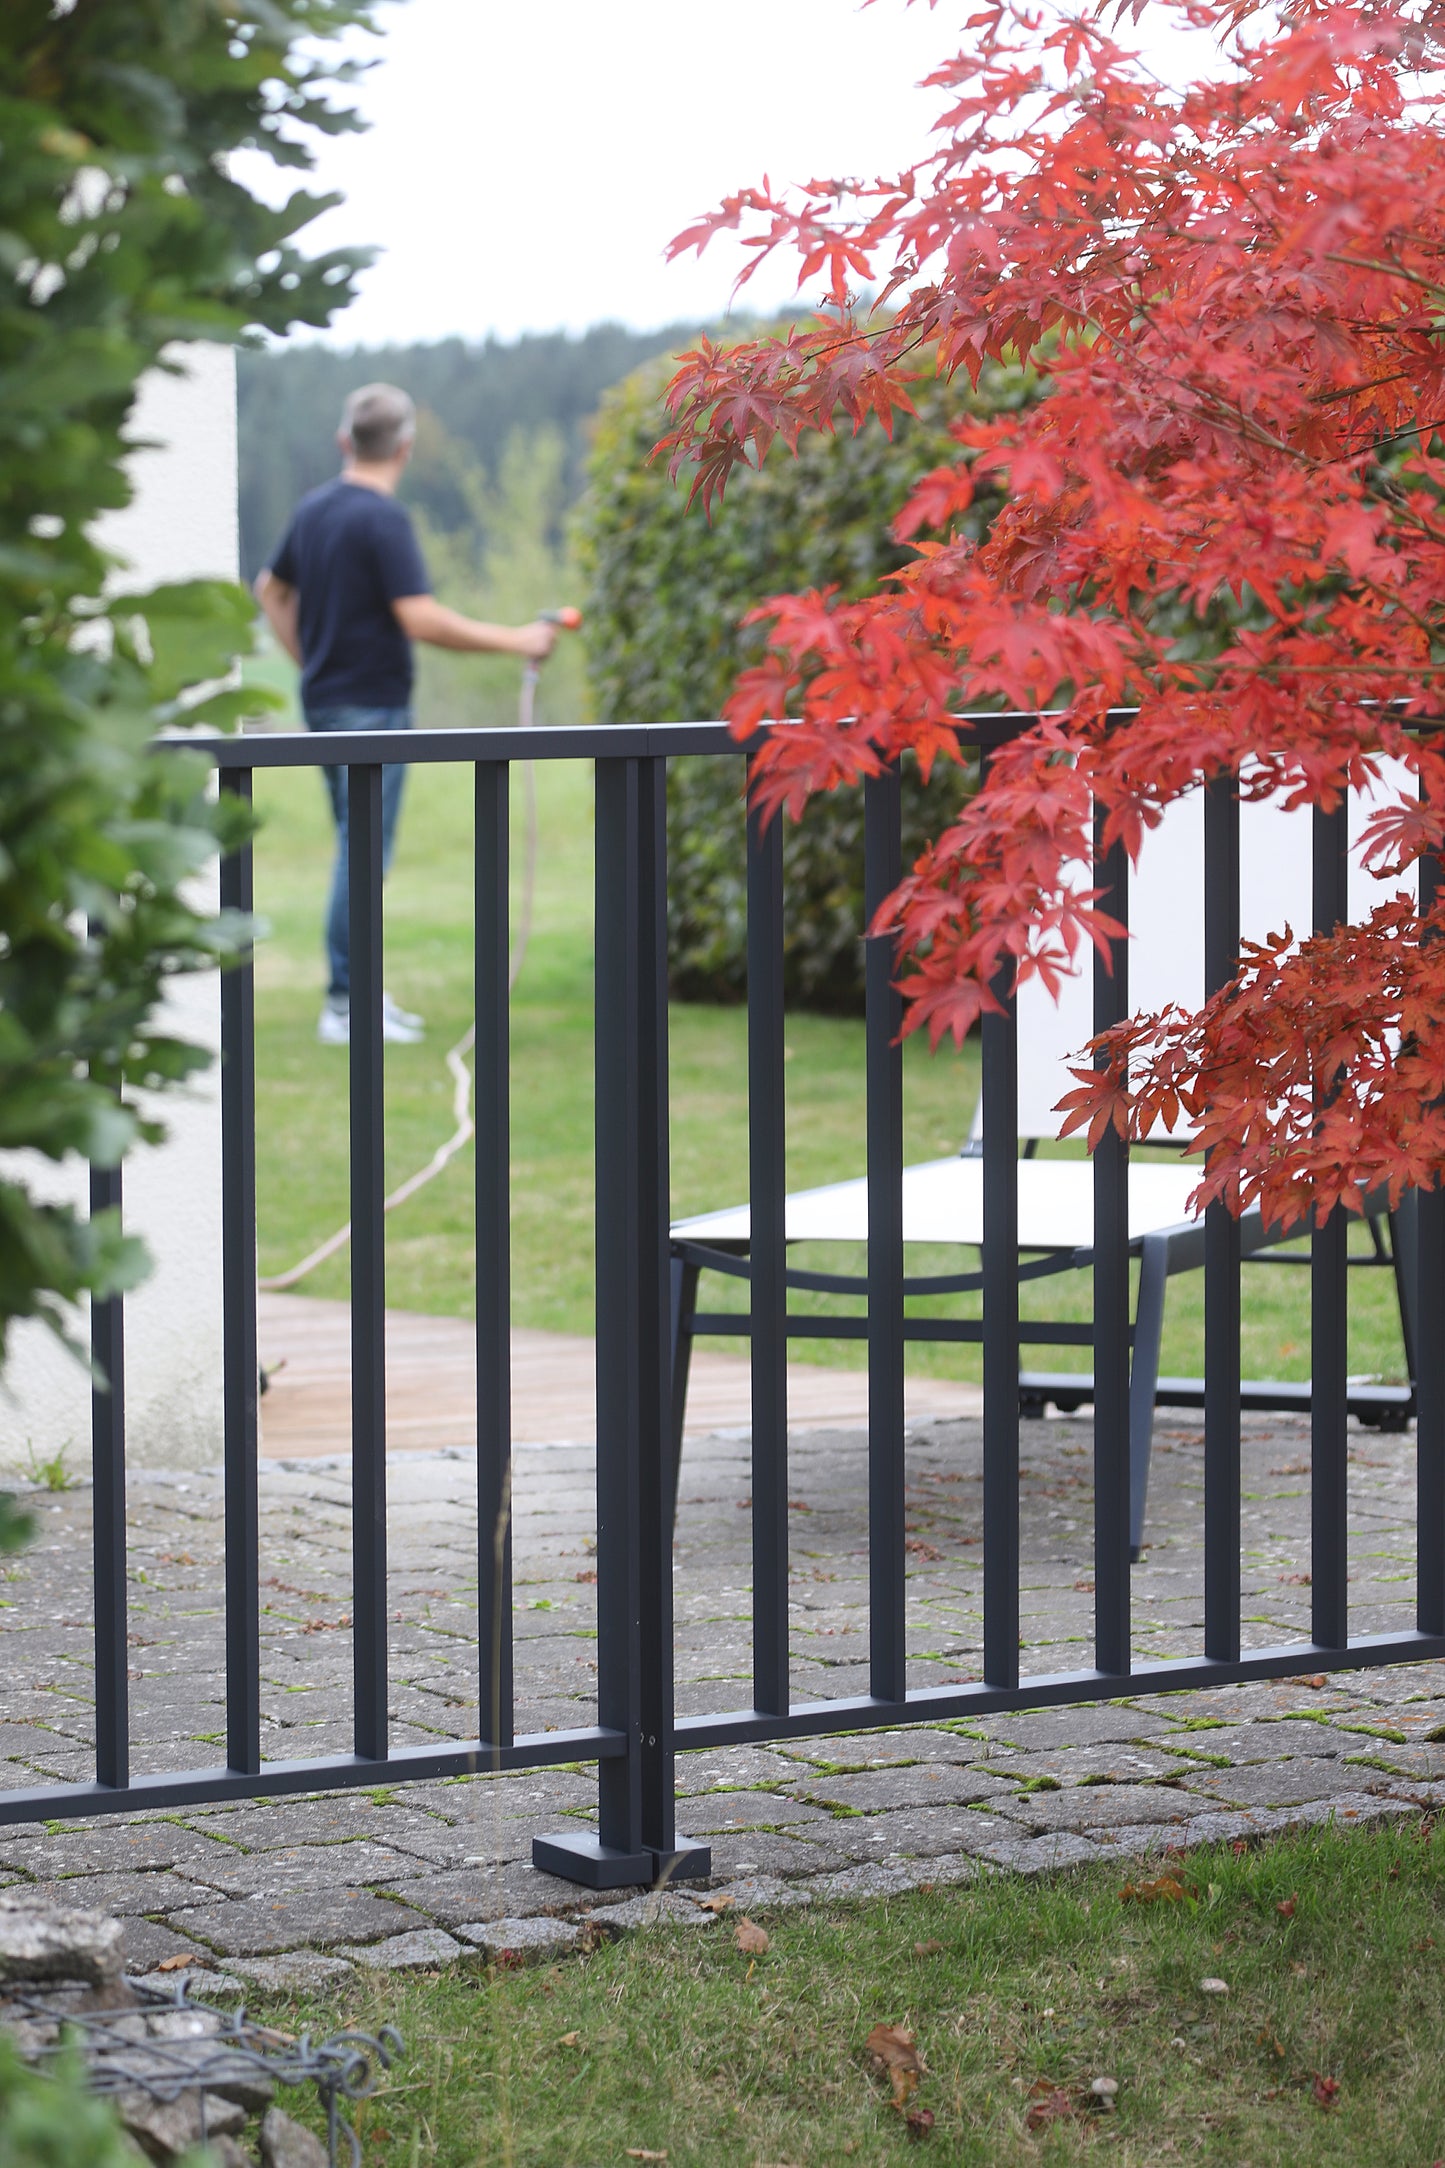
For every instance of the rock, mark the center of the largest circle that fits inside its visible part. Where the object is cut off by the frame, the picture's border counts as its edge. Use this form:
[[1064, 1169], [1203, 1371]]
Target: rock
[[244, 2085], [226, 2153], [182, 2024], [526, 1942], [165, 2129], [286, 2144], [208, 1984], [50, 1942], [752, 1893], [421, 1951], [295, 1971], [659, 1908]]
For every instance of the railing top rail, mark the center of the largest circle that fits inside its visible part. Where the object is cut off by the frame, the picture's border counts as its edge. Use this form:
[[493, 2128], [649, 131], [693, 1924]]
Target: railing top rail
[[357, 748], [590, 741]]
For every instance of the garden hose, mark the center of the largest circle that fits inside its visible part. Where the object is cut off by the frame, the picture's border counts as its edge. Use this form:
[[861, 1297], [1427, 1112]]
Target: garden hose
[[567, 620]]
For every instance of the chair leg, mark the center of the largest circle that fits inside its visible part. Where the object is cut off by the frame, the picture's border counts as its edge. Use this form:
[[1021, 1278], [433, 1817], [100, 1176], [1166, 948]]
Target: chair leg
[[684, 1278], [1144, 1380]]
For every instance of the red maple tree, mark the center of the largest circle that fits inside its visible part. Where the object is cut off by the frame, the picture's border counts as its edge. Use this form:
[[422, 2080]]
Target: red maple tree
[[1226, 517]]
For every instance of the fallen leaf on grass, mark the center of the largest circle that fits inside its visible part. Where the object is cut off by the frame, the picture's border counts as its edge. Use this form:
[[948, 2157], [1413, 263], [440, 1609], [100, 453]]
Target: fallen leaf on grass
[[568, 2040], [721, 1903], [894, 2049], [1287, 1905], [1326, 2090], [1214, 1987], [927, 1949], [1164, 1889], [751, 1939], [1051, 2104], [642, 2152]]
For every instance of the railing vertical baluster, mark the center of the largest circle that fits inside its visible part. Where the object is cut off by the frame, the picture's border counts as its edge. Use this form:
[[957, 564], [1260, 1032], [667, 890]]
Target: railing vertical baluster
[[620, 1857], [241, 1360], [882, 859], [767, 1186], [1000, 1088], [671, 1855], [491, 1065], [637, 1840], [368, 1266], [1111, 1297], [1428, 1265], [107, 1448], [1221, 1261], [1329, 1317]]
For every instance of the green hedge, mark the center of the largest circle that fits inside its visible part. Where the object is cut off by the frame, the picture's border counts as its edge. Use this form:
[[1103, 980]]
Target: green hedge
[[664, 644]]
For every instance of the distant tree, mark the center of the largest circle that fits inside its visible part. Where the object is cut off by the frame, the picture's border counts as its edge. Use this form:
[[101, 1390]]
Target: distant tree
[[122, 231], [504, 560], [1228, 515], [475, 395]]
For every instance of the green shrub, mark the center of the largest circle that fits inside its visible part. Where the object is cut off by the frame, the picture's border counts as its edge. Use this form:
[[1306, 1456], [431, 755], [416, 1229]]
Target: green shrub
[[668, 591], [49, 2120], [122, 231]]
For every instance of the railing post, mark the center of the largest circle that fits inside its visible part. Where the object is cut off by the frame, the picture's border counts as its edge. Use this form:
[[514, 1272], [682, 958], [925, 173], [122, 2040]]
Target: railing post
[[1329, 1313], [1112, 1424], [368, 1267], [241, 1361], [1221, 1261], [882, 859], [636, 1841], [494, 1259], [767, 1249]]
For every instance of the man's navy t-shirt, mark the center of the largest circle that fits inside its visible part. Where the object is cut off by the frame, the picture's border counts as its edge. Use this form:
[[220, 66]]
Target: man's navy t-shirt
[[350, 552]]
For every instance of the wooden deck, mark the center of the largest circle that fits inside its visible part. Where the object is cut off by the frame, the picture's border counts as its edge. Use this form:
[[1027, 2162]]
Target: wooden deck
[[431, 1385]]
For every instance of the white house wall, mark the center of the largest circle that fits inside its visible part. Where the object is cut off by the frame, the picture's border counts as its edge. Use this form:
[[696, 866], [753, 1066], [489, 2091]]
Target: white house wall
[[182, 524]]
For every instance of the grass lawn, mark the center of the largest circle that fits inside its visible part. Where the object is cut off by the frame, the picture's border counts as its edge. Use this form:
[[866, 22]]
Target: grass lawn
[[1324, 2049], [301, 1097]]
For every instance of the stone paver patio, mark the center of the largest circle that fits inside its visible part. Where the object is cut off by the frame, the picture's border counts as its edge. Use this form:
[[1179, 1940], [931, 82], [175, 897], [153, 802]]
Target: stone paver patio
[[298, 1889]]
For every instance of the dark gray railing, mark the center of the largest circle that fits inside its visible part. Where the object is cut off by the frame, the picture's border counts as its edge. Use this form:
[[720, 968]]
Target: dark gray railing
[[636, 1734]]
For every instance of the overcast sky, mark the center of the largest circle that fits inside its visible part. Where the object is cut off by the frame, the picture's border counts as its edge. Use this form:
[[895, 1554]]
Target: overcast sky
[[528, 164]]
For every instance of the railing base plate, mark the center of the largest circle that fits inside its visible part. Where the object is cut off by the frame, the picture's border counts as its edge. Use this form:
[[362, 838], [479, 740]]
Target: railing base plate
[[600, 1866]]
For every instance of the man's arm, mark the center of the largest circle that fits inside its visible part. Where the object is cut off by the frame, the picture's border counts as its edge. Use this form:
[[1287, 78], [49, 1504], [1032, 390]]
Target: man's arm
[[422, 617], [280, 605]]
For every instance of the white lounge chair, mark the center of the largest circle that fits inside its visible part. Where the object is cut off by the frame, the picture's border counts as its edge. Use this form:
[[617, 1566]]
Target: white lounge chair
[[943, 1199]]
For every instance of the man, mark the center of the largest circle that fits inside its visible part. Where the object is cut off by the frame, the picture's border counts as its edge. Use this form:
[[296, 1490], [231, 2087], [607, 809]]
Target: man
[[346, 594]]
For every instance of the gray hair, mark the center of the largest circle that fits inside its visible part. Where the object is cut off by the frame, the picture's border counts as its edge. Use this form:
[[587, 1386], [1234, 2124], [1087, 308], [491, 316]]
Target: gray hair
[[378, 420]]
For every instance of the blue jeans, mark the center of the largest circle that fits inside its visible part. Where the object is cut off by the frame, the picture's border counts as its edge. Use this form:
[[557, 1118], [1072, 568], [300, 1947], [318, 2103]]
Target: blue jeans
[[338, 909]]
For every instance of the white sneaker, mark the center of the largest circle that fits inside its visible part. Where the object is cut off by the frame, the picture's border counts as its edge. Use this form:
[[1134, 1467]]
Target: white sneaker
[[392, 1013], [333, 1027]]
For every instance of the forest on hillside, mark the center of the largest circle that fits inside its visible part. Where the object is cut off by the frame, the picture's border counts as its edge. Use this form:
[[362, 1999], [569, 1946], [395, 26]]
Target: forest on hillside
[[474, 399]]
